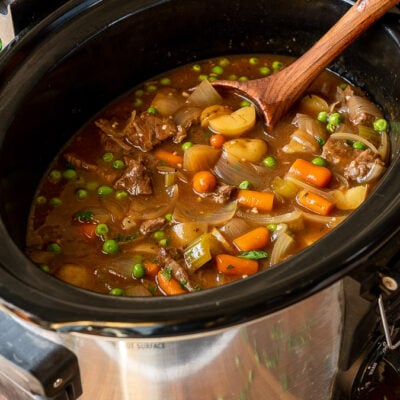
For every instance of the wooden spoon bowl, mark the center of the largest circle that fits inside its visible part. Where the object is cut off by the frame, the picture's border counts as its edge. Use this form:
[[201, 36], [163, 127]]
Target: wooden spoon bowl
[[275, 94]]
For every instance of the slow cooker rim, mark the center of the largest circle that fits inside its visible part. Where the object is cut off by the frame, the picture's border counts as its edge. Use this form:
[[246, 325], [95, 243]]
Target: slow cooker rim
[[217, 301]]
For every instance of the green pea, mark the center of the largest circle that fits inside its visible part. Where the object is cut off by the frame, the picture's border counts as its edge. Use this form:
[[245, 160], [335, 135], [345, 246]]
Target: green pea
[[264, 70], [380, 124], [203, 77], [163, 242], [151, 88], [277, 65], [165, 81], [217, 69], [322, 116], [45, 268], [104, 190], [138, 102], [152, 110], [358, 145], [196, 68], [321, 162], [269, 162], [102, 229], [81, 194], [334, 119], [224, 62], [158, 235], [121, 194], [118, 164], [139, 92], [92, 186], [186, 145], [41, 200], [212, 78], [55, 201], [245, 103], [272, 227], [331, 127], [244, 185], [110, 246], [116, 292], [108, 157], [243, 79], [55, 175], [233, 77], [254, 60], [54, 248], [69, 174], [138, 271], [168, 217]]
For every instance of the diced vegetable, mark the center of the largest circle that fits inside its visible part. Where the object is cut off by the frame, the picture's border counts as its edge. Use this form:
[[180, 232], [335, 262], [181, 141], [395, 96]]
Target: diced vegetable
[[232, 265], [217, 140], [262, 201], [200, 157], [204, 95], [313, 174], [284, 187], [313, 105], [235, 124], [168, 284], [77, 275], [252, 150], [351, 198], [170, 158], [254, 240], [314, 202], [185, 232], [204, 182], [212, 112], [151, 268]]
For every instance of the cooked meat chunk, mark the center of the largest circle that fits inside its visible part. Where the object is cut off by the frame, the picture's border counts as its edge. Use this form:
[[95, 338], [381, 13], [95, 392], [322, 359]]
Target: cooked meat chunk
[[338, 153], [223, 193], [136, 178], [148, 130], [178, 271], [152, 225], [360, 167]]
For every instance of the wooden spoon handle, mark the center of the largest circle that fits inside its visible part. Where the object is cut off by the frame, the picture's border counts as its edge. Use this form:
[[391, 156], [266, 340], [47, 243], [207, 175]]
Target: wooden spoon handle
[[275, 96]]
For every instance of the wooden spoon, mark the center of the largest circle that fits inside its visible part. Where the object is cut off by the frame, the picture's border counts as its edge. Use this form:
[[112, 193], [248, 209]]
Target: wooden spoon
[[275, 94]]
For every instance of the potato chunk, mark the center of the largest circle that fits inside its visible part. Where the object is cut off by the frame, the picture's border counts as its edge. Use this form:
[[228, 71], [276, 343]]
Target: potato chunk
[[252, 150], [235, 124]]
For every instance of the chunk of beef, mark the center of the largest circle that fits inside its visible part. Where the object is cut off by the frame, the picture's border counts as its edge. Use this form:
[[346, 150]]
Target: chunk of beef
[[136, 178], [148, 130], [223, 193], [152, 225], [178, 271], [338, 153], [360, 167]]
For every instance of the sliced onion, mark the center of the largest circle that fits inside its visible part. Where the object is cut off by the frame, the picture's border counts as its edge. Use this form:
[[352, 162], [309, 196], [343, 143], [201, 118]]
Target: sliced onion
[[304, 185], [154, 210], [360, 107], [353, 138], [375, 172], [186, 115], [383, 149], [167, 101], [311, 125], [169, 174], [329, 222], [235, 228], [294, 219], [233, 171], [204, 95], [186, 213], [301, 142], [283, 244]]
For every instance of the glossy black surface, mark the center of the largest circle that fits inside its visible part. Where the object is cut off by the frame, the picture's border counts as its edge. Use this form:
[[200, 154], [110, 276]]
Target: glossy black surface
[[59, 74]]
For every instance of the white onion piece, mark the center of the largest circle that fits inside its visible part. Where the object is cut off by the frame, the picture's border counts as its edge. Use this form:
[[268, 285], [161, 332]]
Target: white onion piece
[[311, 125], [375, 172], [293, 219], [233, 171], [360, 107], [167, 101], [154, 211], [283, 244], [235, 228], [217, 217], [185, 115], [383, 149], [354, 138], [329, 222], [204, 95], [304, 185]]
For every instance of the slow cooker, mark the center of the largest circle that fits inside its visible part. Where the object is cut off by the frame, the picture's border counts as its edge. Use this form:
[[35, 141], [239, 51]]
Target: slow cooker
[[321, 325]]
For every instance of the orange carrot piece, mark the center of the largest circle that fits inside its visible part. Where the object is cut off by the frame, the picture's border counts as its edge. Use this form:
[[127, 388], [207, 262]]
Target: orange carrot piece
[[263, 201], [314, 202], [204, 182], [151, 268], [254, 240], [169, 285], [217, 140], [87, 229], [232, 265], [168, 157], [310, 173]]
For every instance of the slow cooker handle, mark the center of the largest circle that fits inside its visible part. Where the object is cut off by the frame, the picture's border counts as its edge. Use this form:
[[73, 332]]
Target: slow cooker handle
[[34, 367]]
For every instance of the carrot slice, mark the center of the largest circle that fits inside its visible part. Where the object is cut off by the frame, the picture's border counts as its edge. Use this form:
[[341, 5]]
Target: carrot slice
[[231, 265], [253, 240], [168, 284], [168, 157], [314, 202], [263, 201], [87, 229], [310, 173], [151, 268]]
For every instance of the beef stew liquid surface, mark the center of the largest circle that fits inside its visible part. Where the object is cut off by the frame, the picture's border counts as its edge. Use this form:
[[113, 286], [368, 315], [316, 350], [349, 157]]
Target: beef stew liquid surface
[[177, 187]]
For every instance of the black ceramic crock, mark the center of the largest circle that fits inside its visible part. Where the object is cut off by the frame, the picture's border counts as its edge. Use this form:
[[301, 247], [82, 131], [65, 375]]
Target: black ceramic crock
[[55, 76]]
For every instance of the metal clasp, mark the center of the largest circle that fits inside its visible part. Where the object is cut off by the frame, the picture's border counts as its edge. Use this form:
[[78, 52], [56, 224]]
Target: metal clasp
[[386, 327]]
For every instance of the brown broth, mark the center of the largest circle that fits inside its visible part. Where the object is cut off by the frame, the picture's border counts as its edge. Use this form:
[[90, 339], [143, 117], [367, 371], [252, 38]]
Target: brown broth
[[80, 258]]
